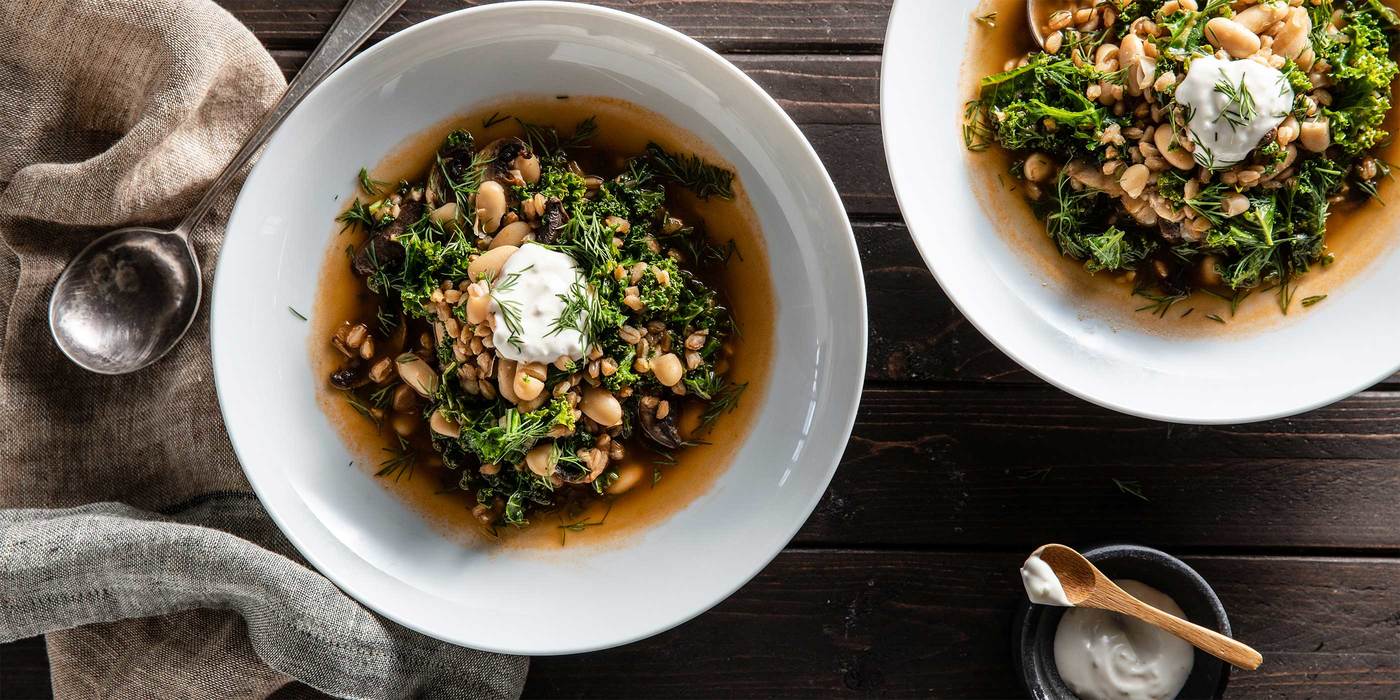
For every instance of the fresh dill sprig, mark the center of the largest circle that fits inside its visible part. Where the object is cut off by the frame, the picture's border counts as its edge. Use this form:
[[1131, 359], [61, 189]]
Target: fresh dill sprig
[[584, 313], [664, 458], [693, 173], [361, 408], [381, 397], [581, 525], [400, 463], [509, 309], [545, 140], [1313, 300], [1161, 303], [723, 401], [494, 119], [359, 214], [584, 132], [1132, 487], [463, 189], [1240, 108], [296, 313], [977, 136], [368, 185]]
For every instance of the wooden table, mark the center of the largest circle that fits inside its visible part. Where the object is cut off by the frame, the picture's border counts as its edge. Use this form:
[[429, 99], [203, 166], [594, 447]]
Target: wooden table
[[904, 581]]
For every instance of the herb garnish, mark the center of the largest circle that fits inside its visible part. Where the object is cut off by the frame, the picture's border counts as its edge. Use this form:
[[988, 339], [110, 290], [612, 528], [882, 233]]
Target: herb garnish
[[693, 173]]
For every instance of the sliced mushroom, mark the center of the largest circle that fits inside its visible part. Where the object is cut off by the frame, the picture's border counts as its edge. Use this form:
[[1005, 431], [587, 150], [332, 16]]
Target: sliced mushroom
[[455, 156], [553, 221], [511, 162], [661, 431], [377, 252], [349, 377]]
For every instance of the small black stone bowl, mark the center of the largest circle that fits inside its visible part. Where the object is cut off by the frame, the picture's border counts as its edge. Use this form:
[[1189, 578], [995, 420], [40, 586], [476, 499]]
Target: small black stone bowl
[[1034, 631]]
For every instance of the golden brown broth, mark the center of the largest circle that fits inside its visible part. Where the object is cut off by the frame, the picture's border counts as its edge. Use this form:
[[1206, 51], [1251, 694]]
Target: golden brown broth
[[624, 129], [1355, 234]]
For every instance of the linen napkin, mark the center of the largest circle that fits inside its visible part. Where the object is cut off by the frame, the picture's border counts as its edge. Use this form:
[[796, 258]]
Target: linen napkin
[[128, 533]]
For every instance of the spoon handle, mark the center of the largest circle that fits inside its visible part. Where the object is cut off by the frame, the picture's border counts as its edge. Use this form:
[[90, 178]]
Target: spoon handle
[[1218, 645], [357, 21]]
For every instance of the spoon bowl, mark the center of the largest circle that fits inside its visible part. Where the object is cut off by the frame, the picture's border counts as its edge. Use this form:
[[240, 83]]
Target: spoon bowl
[[1037, 14], [125, 300]]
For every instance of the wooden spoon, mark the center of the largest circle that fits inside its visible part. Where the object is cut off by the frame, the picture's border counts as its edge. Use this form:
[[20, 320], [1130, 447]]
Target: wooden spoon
[[1086, 587]]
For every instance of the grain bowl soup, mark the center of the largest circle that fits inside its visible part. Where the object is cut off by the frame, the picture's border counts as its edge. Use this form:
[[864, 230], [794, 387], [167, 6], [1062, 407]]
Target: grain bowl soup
[[548, 316], [1186, 147]]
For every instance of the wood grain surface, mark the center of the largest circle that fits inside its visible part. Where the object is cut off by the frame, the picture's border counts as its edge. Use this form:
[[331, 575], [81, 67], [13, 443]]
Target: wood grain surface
[[903, 582]]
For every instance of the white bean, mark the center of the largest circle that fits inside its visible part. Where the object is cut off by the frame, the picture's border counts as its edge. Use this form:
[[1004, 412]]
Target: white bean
[[442, 425], [602, 407], [488, 265], [490, 205], [1316, 136], [628, 476], [417, 374], [505, 380], [529, 381], [445, 214], [1233, 37], [1039, 167], [668, 369], [511, 234], [540, 459]]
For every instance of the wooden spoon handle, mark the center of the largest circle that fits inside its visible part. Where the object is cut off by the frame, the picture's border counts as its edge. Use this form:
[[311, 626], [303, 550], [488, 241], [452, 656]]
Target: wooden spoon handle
[[1207, 640]]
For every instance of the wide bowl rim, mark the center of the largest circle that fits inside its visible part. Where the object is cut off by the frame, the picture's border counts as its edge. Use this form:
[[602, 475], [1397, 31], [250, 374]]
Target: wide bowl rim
[[850, 268], [1051, 375]]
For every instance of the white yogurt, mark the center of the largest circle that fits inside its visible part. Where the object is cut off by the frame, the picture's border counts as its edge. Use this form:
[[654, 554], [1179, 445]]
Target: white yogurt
[[1042, 585], [1232, 106], [1105, 656], [532, 287]]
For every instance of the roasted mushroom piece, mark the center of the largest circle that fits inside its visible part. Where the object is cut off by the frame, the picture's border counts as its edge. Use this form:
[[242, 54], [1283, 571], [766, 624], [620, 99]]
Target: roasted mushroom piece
[[553, 221], [379, 251], [510, 161], [352, 376], [454, 162], [661, 431]]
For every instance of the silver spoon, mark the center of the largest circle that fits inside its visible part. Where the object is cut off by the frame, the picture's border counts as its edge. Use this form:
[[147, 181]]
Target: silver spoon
[[128, 297], [1036, 14]]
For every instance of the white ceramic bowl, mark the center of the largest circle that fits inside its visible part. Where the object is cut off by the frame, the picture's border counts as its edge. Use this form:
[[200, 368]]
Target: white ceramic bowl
[[1293, 364], [354, 530]]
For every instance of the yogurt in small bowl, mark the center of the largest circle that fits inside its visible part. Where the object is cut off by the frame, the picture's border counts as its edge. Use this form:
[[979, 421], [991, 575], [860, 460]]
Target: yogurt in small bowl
[[1065, 652]]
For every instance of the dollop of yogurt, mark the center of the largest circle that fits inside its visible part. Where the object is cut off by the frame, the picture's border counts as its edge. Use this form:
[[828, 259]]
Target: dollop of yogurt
[[528, 298], [1102, 655], [1043, 587], [1232, 106]]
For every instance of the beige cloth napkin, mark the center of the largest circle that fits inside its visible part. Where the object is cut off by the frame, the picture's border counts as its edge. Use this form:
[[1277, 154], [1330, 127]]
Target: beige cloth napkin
[[128, 531]]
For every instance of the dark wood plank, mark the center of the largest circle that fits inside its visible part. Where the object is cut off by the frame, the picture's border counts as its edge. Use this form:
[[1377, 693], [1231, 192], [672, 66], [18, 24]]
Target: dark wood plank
[[827, 26], [853, 624], [813, 89], [1014, 468], [24, 670], [901, 624]]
